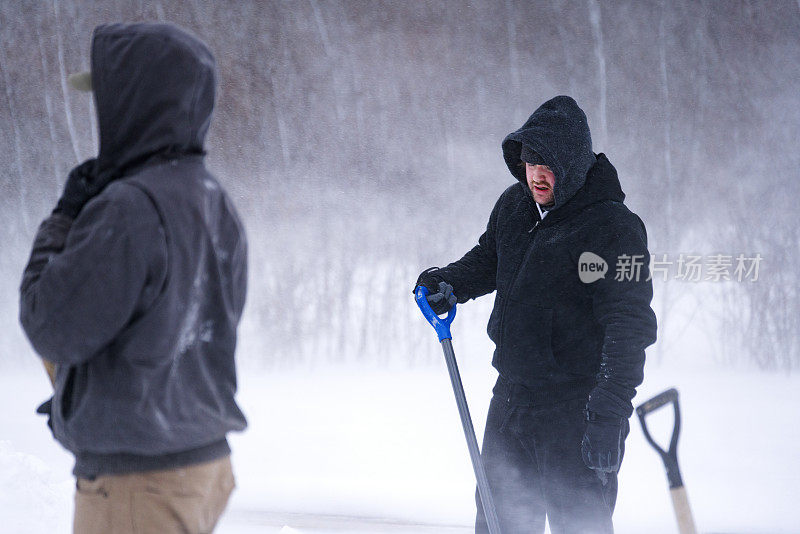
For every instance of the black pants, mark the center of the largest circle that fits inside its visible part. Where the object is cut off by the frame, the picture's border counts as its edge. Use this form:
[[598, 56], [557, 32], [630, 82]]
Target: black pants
[[532, 456]]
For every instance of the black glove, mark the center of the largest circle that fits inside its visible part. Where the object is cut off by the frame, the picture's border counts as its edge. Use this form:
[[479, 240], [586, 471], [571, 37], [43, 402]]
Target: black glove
[[46, 408], [81, 186], [604, 443], [443, 299], [440, 293]]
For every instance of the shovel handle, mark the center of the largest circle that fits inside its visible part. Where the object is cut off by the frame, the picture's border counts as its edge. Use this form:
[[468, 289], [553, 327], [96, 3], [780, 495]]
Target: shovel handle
[[671, 395], [669, 456], [50, 368], [442, 326], [680, 501]]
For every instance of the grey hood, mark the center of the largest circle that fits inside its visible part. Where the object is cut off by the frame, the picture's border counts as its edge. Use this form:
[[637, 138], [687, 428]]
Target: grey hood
[[559, 132], [154, 90]]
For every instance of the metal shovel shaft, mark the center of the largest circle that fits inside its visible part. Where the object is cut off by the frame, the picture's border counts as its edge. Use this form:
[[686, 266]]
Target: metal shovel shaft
[[472, 443], [442, 327]]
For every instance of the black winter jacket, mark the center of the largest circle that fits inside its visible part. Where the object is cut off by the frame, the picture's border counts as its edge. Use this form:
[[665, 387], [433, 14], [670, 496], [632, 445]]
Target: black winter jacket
[[555, 334], [137, 301]]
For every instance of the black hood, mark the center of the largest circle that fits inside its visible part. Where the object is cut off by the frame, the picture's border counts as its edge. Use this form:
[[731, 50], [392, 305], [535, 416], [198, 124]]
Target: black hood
[[154, 90], [559, 132]]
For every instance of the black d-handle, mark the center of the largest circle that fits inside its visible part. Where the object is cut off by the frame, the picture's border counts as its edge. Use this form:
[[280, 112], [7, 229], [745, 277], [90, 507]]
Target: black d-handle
[[670, 457]]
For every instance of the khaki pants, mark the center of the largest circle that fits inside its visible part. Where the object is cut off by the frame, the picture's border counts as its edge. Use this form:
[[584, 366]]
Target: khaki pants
[[185, 500]]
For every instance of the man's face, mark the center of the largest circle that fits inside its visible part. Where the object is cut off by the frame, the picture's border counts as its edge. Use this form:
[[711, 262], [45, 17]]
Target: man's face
[[541, 181]]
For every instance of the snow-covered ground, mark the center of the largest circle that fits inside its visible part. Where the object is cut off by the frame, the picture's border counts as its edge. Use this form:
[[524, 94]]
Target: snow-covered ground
[[370, 450]]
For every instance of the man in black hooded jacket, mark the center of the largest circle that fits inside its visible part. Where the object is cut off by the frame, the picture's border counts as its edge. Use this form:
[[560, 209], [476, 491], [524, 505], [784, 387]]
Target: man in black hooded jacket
[[570, 346], [134, 290]]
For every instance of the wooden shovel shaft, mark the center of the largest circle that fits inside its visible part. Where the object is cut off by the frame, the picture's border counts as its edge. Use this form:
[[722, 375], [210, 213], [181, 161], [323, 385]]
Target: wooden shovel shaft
[[50, 367], [683, 512]]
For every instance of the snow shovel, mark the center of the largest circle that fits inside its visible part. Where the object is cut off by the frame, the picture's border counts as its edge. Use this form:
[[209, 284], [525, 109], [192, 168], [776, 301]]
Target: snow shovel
[[670, 457], [442, 327]]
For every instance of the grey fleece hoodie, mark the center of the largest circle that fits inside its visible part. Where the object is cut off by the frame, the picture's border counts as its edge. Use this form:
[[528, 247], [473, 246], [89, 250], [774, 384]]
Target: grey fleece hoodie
[[137, 301]]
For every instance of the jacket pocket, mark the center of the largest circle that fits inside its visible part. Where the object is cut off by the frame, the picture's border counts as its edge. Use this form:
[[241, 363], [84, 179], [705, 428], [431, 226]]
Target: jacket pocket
[[526, 350], [493, 328]]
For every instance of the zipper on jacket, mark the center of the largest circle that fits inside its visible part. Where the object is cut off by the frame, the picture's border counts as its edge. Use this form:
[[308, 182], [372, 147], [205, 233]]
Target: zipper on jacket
[[533, 231]]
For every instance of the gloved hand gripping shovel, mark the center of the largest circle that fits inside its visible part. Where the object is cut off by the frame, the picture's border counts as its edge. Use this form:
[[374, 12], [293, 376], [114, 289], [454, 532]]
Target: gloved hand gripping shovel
[[442, 327], [670, 457]]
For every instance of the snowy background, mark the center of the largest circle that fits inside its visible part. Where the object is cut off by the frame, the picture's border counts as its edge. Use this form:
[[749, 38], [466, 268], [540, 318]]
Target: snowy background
[[361, 142]]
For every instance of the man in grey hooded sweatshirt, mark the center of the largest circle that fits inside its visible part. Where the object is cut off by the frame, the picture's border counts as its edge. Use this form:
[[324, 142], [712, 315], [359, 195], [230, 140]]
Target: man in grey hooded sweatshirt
[[134, 290]]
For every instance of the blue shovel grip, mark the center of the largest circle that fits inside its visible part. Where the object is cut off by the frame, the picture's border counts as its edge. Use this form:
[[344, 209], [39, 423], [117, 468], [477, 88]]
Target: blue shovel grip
[[442, 326]]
